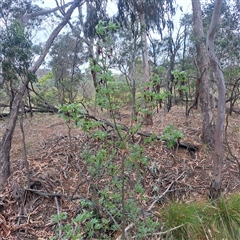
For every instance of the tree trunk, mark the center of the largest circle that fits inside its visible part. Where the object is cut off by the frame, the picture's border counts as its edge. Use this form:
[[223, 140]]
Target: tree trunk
[[215, 188], [133, 82], [169, 83], [146, 75], [5, 145], [91, 56], [208, 127]]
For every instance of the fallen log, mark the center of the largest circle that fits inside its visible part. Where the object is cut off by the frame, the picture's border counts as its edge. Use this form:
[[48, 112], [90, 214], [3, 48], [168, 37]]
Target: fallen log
[[188, 146]]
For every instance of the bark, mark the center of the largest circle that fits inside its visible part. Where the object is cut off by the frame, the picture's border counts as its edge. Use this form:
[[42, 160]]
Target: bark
[[215, 188], [132, 79], [91, 56], [173, 48], [208, 127], [146, 75], [144, 48], [133, 85], [30, 16], [5, 145]]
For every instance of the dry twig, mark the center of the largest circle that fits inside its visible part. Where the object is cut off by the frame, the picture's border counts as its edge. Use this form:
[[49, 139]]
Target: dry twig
[[164, 193]]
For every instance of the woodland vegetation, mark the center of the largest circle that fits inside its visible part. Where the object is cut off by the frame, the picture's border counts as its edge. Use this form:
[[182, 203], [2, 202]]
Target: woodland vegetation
[[123, 126]]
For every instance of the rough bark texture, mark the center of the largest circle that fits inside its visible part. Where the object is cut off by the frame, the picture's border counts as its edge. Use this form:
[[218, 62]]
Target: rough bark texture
[[215, 188], [208, 127], [5, 145]]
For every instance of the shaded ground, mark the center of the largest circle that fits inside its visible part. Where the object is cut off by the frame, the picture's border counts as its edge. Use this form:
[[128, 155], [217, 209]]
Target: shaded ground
[[55, 170]]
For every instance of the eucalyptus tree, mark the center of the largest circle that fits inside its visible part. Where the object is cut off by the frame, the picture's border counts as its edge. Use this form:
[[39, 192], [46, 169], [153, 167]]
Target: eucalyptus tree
[[11, 13], [227, 45], [127, 52], [214, 135], [151, 15], [6, 141], [173, 46], [67, 57], [215, 188], [208, 127], [96, 11], [15, 57]]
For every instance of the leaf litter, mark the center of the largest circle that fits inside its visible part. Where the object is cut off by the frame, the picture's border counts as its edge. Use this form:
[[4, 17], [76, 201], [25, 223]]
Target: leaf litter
[[59, 178]]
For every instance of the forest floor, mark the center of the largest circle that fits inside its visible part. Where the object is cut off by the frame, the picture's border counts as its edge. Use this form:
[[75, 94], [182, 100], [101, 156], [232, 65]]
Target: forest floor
[[54, 170]]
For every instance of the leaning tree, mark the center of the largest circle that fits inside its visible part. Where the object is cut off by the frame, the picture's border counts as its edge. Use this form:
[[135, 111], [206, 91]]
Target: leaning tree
[[215, 188], [5, 145]]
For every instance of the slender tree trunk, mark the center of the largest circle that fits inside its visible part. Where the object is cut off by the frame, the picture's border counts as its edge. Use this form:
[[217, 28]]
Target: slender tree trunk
[[169, 82], [208, 127], [144, 48], [5, 145], [132, 72], [215, 188], [133, 83], [146, 74], [91, 56]]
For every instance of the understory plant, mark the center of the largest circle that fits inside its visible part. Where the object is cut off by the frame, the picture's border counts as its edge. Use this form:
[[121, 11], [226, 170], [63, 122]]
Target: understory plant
[[112, 166], [171, 136], [112, 163], [203, 220]]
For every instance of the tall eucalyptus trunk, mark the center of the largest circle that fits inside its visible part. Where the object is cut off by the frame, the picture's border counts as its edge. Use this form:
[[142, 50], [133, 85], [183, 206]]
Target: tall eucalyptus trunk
[[208, 127], [215, 188], [146, 74]]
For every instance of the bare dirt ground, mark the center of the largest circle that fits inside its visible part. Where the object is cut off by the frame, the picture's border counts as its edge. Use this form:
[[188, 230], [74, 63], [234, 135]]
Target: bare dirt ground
[[54, 170]]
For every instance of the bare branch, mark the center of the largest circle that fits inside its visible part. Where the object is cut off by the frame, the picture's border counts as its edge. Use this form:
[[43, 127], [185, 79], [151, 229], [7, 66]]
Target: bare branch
[[164, 193], [27, 17], [54, 35]]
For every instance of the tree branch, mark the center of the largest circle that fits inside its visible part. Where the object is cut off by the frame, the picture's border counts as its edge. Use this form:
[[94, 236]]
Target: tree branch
[[27, 17], [54, 35]]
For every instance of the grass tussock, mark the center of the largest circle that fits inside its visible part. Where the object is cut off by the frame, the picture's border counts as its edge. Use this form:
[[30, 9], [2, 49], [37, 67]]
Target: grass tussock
[[210, 221]]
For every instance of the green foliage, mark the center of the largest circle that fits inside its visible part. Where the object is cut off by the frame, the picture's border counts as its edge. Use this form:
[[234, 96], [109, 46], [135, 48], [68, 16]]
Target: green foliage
[[46, 89], [45, 78], [181, 78], [203, 220], [60, 217], [74, 114], [16, 53], [67, 54], [161, 96], [102, 28], [116, 195], [171, 135], [71, 112], [185, 221], [157, 76], [184, 215]]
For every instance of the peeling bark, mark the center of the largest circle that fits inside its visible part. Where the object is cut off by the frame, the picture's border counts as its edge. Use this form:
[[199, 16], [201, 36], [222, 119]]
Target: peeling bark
[[208, 127], [215, 188]]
